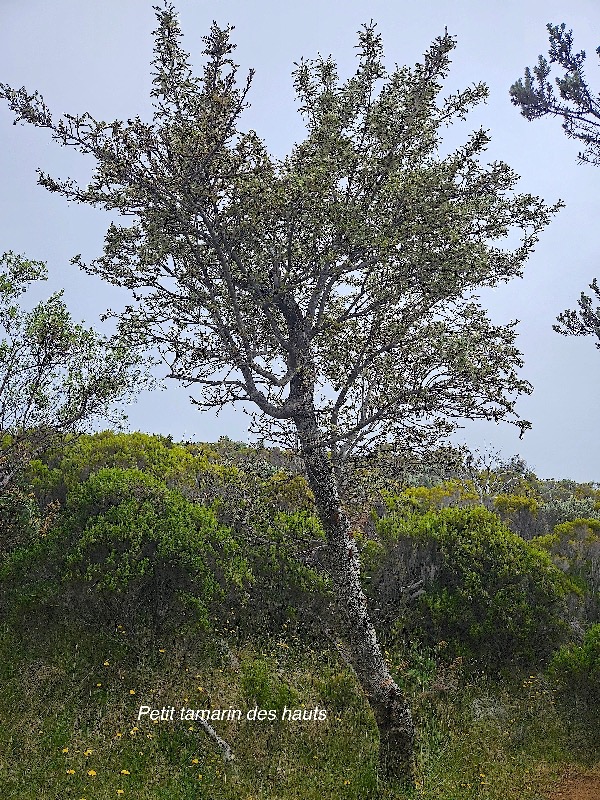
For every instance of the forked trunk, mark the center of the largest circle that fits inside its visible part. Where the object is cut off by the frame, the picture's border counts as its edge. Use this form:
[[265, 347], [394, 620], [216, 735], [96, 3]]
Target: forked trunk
[[389, 705]]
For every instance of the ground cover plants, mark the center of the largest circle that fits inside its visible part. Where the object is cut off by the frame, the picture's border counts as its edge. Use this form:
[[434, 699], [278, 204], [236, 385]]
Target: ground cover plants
[[219, 543]]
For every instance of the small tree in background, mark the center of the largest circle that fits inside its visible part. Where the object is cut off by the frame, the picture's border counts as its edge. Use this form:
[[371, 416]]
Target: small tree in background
[[56, 377], [579, 109], [333, 289]]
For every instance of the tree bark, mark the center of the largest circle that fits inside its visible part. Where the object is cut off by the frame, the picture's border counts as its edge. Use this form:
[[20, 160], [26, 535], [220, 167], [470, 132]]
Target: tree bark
[[389, 705]]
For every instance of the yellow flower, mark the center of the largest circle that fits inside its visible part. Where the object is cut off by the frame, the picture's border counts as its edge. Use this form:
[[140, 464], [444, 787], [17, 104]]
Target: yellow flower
[[88, 752], [120, 791], [195, 761], [106, 663], [65, 750], [70, 772], [125, 772], [118, 734], [161, 650], [98, 685], [199, 777], [92, 772], [200, 689], [132, 691]]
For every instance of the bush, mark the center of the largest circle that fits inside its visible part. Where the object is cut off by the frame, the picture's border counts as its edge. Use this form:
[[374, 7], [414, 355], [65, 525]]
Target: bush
[[20, 522], [575, 549], [575, 670], [519, 513], [284, 593], [63, 469], [449, 493], [493, 597], [261, 682], [128, 548], [558, 512]]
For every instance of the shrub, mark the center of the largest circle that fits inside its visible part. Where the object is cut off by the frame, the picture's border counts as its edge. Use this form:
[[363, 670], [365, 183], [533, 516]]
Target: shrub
[[20, 521], [285, 593], [575, 670], [492, 596], [128, 548], [575, 549], [261, 682], [65, 468], [558, 511], [519, 513], [449, 493]]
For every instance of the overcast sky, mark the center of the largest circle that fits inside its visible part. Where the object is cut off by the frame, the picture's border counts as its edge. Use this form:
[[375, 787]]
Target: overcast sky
[[94, 56]]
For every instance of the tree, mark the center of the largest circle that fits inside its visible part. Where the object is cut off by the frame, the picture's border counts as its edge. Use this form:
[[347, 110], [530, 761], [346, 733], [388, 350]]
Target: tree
[[56, 377], [580, 112], [333, 289]]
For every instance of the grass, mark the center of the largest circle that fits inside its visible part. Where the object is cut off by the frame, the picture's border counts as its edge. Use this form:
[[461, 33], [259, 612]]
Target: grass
[[69, 728]]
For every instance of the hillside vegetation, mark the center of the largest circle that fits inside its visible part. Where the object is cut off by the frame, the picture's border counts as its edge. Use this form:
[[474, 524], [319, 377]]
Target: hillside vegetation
[[140, 575]]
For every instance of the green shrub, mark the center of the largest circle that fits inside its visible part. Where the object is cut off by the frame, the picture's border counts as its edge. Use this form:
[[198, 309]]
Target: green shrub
[[519, 513], [262, 683], [575, 549], [575, 669], [449, 493], [266, 510], [288, 493], [20, 522], [65, 468], [492, 596], [284, 592], [558, 511], [128, 548]]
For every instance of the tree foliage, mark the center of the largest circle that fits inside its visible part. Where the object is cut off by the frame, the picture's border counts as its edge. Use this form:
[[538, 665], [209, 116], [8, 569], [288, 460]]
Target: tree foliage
[[579, 109], [349, 266], [56, 377], [585, 321], [576, 103]]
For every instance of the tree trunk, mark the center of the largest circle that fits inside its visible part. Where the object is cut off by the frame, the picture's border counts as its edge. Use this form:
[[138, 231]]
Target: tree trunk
[[389, 705]]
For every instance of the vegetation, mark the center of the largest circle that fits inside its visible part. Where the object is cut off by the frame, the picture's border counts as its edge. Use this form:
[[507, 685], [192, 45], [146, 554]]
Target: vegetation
[[576, 670], [335, 290], [181, 620], [579, 109], [130, 580], [56, 377], [492, 597]]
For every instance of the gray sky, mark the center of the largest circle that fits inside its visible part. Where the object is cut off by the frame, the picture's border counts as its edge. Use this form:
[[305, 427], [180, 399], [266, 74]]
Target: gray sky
[[94, 56]]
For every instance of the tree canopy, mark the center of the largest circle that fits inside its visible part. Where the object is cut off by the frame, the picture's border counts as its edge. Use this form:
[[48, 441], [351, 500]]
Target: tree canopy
[[576, 103], [348, 268], [56, 377], [579, 108]]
